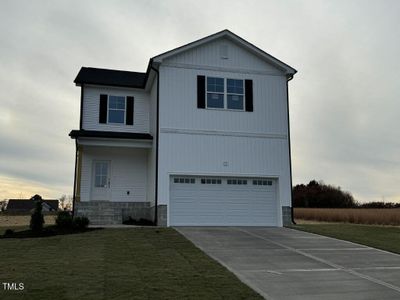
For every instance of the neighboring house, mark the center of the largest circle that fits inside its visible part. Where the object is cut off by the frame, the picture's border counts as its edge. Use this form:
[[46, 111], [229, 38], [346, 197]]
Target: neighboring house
[[200, 139], [28, 205]]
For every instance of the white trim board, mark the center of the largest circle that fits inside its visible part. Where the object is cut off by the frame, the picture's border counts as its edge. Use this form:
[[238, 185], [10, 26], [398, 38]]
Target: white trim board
[[218, 69], [223, 133]]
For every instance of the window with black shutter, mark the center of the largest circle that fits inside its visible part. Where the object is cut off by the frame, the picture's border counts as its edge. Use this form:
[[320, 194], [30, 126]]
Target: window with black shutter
[[224, 93]]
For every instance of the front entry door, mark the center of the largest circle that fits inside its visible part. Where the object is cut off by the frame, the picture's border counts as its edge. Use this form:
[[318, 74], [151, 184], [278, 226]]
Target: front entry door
[[101, 180]]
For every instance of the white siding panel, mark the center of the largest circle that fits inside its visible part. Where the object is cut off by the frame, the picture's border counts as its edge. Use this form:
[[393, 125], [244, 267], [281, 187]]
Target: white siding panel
[[209, 55], [178, 103], [206, 154], [91, 100], [128, 172]]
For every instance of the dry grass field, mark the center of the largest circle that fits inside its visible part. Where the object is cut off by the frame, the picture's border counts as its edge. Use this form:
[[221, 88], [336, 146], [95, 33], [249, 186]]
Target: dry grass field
[[378, 216], [22, 220]]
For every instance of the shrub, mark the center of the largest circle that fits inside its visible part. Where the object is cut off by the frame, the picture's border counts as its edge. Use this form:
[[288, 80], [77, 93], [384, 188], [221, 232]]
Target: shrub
[[37, 219], [64, 220], [9, 232], [140, 222], [80, 223]]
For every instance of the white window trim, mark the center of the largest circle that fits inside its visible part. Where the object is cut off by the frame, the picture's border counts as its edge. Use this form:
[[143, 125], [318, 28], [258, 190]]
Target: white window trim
[[108, 110], [225, 93]]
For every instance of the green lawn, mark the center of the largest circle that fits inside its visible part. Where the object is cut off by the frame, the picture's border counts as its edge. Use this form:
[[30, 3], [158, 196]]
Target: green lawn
[[143, 263], [382, 237]]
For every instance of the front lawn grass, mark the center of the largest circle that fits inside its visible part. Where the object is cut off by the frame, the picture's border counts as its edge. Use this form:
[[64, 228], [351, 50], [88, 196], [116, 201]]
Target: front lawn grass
[[381, 237], [134, 263]]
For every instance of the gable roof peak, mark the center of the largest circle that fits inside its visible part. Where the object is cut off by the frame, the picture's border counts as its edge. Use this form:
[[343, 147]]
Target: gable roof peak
[[288, 70]]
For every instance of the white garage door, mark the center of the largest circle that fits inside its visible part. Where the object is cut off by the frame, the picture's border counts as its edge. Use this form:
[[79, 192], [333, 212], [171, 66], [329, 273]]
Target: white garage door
[[221, 201]]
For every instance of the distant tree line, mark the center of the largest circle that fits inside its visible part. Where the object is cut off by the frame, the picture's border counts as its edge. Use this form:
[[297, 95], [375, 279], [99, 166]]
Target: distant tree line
[[379, 204], [320, 195]]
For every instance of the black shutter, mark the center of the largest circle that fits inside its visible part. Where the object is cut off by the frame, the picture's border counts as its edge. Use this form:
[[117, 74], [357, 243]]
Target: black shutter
[[201, 91], [129, 110], [103, 109], [248, 85]]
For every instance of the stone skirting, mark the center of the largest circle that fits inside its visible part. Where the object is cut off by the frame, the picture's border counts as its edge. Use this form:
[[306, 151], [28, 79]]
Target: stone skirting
[[104, 212], [161, 215], [107, 212], [287, 215]]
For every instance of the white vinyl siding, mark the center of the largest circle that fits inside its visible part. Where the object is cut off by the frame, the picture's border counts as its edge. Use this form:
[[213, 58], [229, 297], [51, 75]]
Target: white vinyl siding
[[178, 104], [128, 172], [242, 144], [234, 156], [220, 204], [209, 55], [91, 104]]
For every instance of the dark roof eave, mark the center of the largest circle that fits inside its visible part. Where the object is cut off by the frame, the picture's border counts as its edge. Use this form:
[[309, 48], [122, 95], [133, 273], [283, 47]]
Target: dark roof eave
[[74, 134], [79, 83], [108, 77]]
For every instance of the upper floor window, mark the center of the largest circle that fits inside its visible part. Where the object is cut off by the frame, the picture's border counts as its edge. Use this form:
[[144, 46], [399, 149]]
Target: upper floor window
[[225, 93], [215, 92], [235, 93], [116, 109]]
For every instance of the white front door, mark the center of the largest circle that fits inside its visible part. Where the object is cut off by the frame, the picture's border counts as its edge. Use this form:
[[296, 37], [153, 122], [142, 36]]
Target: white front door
[[101, 180]]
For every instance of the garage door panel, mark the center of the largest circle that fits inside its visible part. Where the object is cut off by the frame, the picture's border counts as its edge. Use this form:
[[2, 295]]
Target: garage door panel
[[197, 204]]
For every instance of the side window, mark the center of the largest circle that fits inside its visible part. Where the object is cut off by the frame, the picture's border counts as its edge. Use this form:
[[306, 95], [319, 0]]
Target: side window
[[116, 109]]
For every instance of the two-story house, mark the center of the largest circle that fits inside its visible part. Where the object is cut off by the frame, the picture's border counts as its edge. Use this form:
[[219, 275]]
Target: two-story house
[[201, 138]]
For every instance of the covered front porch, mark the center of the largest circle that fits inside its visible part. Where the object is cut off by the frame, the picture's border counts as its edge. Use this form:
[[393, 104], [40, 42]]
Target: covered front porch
[[114, 178]]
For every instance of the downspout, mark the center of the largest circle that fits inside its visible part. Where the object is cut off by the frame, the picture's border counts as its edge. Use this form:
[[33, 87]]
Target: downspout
[[76, 153], [74, 192], [290, 77], [81, 113], [157, 142]]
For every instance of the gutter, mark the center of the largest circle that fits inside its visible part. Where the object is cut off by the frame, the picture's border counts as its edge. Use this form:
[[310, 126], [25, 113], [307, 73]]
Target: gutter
[[157, 143], [76, 152], [81, 113], [74, 192], [290, 77]]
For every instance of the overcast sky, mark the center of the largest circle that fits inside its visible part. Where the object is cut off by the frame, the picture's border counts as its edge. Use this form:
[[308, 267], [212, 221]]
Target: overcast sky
[[344, 100]]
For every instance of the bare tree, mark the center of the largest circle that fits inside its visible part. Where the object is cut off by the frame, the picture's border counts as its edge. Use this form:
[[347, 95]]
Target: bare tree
[[62, 200], [65, 202], [68, 206]]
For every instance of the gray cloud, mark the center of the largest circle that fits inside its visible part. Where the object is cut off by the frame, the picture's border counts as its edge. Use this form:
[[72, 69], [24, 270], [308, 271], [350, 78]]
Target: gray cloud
[[344, 100]]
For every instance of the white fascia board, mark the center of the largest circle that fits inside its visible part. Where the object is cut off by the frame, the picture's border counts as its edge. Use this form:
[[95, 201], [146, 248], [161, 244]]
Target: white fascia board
[[124, 143]]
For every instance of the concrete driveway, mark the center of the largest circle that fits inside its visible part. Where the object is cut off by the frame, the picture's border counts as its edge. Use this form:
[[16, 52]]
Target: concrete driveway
[[282, 263]]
